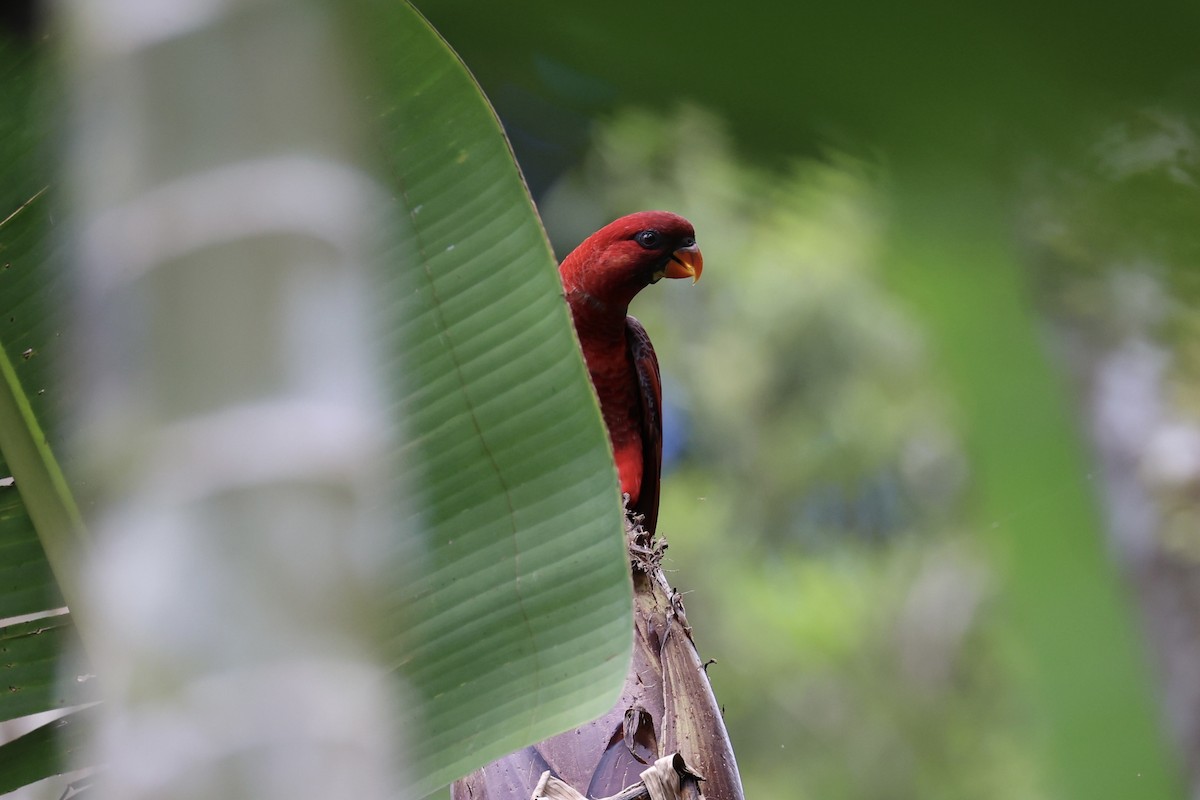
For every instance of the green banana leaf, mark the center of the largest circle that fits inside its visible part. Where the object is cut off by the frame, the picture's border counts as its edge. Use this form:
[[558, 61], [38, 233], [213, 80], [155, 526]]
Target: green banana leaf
[[42, 752], [30, 341], [31, 650], [526, 579]]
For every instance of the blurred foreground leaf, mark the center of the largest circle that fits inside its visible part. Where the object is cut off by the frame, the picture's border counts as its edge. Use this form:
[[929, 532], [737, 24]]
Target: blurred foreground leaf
[[46, 750], [37, 513], [1032, 492]]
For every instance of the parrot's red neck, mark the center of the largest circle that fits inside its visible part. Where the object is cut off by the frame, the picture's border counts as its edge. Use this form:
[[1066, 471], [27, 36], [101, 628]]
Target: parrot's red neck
[[600, 292], [600, 323], [600, 278], [597, 312]]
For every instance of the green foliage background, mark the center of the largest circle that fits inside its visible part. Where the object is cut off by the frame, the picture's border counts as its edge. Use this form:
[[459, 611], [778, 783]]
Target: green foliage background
[[862, 628]]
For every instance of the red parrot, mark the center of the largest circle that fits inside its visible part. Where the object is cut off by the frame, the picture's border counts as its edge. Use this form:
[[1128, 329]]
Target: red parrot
[[600, 277], [666, 705]]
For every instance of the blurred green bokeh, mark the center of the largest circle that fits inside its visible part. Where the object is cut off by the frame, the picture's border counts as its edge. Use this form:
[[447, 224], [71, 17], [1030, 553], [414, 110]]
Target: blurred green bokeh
[[894, 542]]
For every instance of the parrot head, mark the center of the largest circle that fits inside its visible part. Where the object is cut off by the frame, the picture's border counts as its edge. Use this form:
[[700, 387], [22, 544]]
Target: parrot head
[[622, 258]]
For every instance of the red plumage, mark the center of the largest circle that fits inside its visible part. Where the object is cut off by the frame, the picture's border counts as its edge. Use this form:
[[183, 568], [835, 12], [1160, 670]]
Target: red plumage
[[600, 278]]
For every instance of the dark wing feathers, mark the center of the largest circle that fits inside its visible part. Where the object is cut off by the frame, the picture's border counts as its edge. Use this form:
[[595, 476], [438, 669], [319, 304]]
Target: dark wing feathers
[[650, 383]]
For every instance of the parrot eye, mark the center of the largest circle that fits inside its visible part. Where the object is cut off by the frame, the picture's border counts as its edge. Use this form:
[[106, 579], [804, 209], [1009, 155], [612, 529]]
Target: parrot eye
[[648, 239]]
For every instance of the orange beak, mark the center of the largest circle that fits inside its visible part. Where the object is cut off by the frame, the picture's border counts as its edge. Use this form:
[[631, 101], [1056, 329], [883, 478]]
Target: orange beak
[[686, 262]]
